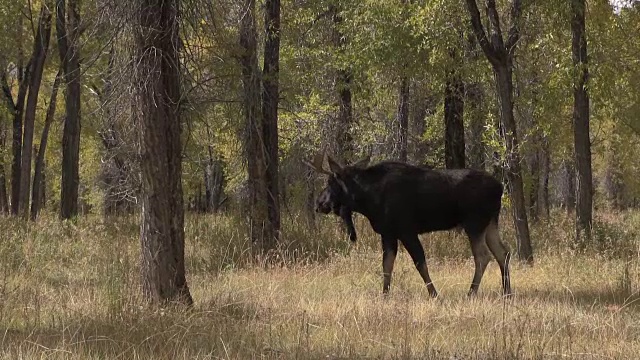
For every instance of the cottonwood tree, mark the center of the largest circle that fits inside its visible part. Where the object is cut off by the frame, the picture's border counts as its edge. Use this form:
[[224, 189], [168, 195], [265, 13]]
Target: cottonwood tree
[[582, 141], [68, 34], [500, 54], [157, 77], [39, 56], [260, 114]]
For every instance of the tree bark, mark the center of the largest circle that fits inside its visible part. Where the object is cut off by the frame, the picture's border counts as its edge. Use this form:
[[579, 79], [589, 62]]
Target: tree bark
[[454, 149], [402, 120], [343, 138], [257, 207], [476, 151], [16, 109], [545, 171], [68, 33], [270, 100], [500, 55], [582, 142], [38, 176], [157, 113], [40, 48], [4, 199]]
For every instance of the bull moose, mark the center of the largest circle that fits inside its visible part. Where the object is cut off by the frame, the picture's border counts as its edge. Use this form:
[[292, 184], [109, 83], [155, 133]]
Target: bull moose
[[402, 201]]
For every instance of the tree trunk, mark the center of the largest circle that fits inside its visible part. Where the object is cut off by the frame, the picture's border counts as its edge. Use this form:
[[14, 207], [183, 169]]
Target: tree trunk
[[500, 55], [40, 48], [402, 121], [257, 207], [545, 170], [343, 139], [513, 171], [582, 142], [68, 33], [38, 177], [270, 100], [16, 109], [4, 199], [158, 121], [454, 151], [213, 183], [476, 152]]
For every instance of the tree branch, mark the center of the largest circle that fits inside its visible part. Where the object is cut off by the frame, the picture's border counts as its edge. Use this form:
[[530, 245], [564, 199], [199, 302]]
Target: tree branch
[[481, 35], [6, 91], [514, 31]]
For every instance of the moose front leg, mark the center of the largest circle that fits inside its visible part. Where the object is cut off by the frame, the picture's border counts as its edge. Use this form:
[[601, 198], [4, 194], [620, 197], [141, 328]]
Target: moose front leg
[[347, 216], [389, 251]]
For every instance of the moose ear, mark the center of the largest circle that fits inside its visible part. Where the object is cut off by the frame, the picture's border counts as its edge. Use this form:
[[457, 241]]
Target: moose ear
[[333, 165], [363, 162]]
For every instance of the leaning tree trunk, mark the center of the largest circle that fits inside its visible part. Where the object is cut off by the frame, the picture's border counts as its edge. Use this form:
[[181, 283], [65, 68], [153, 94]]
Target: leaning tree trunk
[[454, 151], [157, 113], [38, 176], [40, 48], [270, 100], [582, 142], [68, 33], [500, 55]]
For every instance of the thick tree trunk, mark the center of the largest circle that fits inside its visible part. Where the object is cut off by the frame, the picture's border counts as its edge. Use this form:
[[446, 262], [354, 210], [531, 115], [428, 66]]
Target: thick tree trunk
[[68, 33], [402, 120], [40, 48], [257, 207], [343, 139], [582, 142], [158, 121], [476, 151], [454, 149], [270, 100], [38, 177]]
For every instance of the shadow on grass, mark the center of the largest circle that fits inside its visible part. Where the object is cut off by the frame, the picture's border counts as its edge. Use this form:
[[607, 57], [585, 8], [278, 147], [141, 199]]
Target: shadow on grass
[[610, 299]]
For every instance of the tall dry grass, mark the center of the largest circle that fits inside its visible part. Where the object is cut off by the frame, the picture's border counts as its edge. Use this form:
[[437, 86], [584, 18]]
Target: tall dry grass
[[70, 291]]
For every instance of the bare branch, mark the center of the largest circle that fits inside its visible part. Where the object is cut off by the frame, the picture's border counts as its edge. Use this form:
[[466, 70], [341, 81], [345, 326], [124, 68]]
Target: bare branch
[[514, 31]]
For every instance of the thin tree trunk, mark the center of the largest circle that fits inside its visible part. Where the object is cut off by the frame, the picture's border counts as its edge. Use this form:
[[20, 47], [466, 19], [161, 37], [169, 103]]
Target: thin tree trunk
[[158, 121], [270, 99], [582, 142], [500, 55], [454, 149], [4, 199], [545, 170], [40, 48], [38, 177], [68, 33]]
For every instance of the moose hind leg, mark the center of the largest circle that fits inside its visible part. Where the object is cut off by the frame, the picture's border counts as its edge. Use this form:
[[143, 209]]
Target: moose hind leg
[[415, 250], [481, 258], [389, 251], [502, 254]]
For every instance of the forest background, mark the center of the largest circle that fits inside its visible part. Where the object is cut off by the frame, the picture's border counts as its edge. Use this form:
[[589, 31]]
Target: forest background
[[548, 101]]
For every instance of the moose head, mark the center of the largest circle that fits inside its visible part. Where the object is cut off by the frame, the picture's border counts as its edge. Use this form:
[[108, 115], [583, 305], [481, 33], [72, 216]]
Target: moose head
[[340, 193]]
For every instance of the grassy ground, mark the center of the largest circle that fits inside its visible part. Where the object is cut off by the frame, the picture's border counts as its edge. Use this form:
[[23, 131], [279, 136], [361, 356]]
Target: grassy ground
[[71, 292]]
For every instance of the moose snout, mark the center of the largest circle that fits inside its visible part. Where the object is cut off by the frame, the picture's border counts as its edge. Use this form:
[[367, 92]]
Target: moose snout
[[323, 207]]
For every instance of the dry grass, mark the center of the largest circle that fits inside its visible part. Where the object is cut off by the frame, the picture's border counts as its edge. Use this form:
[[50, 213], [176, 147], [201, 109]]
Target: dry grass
[[71, 292]]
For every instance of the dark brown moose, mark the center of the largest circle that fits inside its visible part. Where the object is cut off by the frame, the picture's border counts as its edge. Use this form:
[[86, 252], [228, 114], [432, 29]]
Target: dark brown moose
[[402, 201]]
